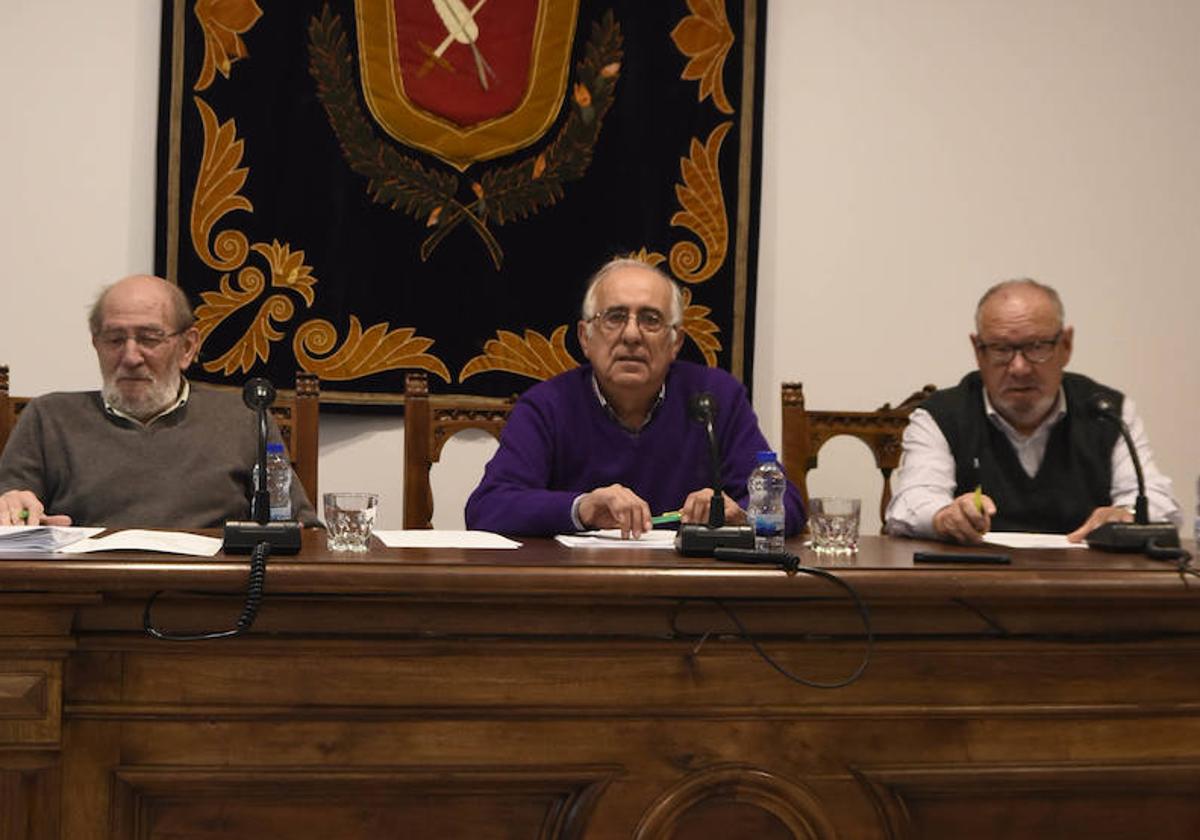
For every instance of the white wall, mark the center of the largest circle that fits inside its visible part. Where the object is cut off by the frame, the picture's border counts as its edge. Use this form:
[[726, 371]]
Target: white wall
[[915, 152]]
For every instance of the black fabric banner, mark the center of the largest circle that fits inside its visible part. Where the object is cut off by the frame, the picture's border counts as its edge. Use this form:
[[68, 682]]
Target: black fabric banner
[[361, 187]]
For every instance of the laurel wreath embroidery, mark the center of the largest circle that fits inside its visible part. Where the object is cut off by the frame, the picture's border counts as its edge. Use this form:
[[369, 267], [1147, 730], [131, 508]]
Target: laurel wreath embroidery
[[500, 195]]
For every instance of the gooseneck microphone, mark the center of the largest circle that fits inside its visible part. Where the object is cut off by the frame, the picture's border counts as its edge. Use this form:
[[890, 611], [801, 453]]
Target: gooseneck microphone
[[1142, 534], [702, 540], [258, 394], [244, 537], [260, 538], [704, 409]]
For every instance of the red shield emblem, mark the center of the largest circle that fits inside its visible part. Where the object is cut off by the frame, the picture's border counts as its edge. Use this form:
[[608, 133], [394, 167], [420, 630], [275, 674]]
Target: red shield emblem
[[465, 80]]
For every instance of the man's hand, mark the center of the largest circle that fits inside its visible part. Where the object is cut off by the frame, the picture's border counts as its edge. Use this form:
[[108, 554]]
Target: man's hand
[[963, 522], [615, 506], [21, 507], [1099, 516], [695, 508]]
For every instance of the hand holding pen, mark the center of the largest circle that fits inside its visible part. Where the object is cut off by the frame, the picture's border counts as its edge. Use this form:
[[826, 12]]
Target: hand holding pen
[[966, 519]]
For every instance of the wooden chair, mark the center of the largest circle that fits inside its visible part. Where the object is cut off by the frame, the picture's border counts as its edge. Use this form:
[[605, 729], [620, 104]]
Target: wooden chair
[[805, 432], [430, 421], [296, 412]]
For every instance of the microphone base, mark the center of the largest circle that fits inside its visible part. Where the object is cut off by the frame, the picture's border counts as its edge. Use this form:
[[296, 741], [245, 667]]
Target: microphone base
[[242, 537], [702, 541], [1131, 537]]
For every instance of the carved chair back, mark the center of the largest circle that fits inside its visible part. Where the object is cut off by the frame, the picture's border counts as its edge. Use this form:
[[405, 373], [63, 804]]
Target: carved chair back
[[805, 432], [430, 421]]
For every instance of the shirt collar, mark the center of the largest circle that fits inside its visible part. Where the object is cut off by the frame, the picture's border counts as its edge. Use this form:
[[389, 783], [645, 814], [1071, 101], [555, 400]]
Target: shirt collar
[[185, 391], [1057, 412], [658, 400]]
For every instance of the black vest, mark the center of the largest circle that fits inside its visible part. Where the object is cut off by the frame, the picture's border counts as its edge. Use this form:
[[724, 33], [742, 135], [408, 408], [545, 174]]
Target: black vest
[[1075, 477]]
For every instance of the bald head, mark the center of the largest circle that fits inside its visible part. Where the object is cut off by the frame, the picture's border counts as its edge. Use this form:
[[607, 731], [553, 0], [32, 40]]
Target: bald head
[[1026, 291], [147, 291]]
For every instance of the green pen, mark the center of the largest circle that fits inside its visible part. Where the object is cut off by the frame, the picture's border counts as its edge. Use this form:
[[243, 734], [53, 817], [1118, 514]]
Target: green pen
[[664, 518]]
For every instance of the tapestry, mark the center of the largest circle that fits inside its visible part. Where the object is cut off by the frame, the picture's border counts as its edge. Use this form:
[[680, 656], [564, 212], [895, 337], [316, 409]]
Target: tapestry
[[359, 188]]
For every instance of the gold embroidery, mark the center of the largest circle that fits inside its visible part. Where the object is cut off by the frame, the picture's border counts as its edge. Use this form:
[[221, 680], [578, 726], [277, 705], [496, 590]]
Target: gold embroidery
[[217, 186], [431, 196], [220, 305], [706, 38], [535, 356], [703, 211], [700, 329], [649, 257], [255, 344], [223, 22], [288, 270], [363, 352]]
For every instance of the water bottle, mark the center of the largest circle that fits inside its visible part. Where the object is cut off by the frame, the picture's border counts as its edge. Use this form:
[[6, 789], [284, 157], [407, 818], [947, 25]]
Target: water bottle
[[767, 485], [279, 482]]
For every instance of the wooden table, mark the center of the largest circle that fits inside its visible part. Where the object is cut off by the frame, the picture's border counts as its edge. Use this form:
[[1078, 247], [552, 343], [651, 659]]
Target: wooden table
[[548, 693]]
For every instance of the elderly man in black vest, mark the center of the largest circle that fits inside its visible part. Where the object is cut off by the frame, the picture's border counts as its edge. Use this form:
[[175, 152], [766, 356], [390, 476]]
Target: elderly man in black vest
[[1014, 446]]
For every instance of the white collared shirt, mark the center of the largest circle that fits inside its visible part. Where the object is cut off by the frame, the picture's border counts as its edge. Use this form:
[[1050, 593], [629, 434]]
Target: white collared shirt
[[925, 482]]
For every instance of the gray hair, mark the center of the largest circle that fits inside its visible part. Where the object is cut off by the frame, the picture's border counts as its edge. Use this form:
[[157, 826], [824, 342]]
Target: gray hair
[[181, 310], [1027, 282], [589, 298]]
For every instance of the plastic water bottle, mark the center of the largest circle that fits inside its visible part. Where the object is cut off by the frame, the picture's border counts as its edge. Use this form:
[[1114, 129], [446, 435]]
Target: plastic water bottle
[[767, 485], [279, 482]]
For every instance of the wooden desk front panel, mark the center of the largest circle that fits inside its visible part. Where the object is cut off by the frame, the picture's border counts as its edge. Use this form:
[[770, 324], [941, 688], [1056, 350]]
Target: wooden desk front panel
[[558, 715]]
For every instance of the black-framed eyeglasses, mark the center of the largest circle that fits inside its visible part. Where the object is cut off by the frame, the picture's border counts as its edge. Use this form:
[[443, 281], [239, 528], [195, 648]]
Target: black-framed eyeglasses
[[614, 319], [1035, 352], [148, 340]]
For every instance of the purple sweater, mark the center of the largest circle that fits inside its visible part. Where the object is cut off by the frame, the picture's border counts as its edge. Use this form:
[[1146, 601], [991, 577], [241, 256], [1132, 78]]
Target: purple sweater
[[560, 442]]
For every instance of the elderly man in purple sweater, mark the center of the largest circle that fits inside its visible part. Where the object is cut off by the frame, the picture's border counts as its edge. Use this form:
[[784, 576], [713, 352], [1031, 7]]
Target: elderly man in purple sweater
[[612, 443]]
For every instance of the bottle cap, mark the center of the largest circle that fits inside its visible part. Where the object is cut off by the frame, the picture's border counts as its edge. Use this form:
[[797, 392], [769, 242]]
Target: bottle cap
[[274, 447], [766, 456]]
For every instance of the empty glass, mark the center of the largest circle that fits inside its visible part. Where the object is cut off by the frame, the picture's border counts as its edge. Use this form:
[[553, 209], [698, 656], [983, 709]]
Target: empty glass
[[833, 524]]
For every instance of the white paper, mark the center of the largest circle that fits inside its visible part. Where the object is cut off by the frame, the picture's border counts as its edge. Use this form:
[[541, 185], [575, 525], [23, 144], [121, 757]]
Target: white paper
[[611, 538], [425, 538], [1024, 539], [15, 538], [169, 542]]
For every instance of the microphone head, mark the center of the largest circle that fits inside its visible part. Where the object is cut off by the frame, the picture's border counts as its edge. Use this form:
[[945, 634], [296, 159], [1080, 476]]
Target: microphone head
[[702, 406], [258, 393], [1102, 405]]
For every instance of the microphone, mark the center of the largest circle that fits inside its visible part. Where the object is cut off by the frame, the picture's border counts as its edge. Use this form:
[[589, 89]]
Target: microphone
[[704, 408], [244, 537], [703, 540], [1141, 534], [258, 394]]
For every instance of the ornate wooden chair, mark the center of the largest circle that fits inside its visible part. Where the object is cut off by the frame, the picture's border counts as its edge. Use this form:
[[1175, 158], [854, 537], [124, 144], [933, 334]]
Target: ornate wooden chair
[[430, 421], [805, 432], [296, 412]]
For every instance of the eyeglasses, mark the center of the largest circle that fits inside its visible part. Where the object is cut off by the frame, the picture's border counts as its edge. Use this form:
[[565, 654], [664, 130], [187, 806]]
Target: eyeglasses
[[614, 319], [114, 341], [1035, 352]]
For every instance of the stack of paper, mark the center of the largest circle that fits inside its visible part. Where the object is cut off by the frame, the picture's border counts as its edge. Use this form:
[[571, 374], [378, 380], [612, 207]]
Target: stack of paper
[[15, 538], [135, 539]]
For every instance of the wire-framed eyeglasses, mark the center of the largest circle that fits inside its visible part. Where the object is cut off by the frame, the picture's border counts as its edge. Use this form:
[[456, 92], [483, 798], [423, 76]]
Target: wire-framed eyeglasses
[[614, 319], [148, 340], [1035, 352]]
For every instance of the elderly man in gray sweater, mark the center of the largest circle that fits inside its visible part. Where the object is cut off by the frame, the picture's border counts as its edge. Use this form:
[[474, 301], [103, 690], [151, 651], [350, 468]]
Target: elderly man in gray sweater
[[148, 449]]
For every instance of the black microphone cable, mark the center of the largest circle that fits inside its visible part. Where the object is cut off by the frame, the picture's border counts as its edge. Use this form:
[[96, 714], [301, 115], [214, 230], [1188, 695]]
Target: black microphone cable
[[791, 563], [254, 596]]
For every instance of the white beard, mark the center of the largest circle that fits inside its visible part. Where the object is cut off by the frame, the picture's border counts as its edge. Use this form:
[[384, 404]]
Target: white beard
[[151, 402]]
